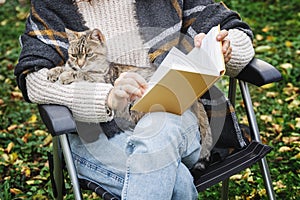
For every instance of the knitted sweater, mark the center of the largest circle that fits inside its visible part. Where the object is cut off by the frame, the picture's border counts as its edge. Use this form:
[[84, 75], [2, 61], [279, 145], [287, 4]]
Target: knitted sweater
[[87, 101]]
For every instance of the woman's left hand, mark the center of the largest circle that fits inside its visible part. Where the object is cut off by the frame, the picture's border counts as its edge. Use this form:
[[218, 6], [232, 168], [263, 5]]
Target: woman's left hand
[[222, 36]]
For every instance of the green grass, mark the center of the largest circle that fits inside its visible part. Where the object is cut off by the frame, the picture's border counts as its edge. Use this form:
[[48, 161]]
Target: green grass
[[24, 141]]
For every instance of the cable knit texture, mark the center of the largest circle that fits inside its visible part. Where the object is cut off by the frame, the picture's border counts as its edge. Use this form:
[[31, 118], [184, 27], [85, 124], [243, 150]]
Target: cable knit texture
[[242, 52], [120, 29], [87, 101]]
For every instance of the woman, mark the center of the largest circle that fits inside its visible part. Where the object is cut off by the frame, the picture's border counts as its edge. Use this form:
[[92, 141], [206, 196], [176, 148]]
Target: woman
[[152, 161]]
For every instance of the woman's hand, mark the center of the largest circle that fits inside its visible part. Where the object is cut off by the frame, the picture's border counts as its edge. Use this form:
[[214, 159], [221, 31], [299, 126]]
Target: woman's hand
[[128, 87], [226, 48]]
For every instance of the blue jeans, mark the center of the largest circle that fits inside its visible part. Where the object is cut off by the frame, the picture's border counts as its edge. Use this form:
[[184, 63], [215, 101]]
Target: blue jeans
[[150, 162]]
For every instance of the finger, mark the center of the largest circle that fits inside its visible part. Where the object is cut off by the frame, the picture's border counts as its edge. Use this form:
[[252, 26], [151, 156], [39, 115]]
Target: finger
[[225, 46], [198, 39], [222, 35], [120, 92], [132, 90], [138, 78], [228, 55]]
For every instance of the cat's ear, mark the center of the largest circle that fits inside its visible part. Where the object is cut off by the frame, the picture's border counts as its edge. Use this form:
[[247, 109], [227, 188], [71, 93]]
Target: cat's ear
[[72, 35], [97, 35]]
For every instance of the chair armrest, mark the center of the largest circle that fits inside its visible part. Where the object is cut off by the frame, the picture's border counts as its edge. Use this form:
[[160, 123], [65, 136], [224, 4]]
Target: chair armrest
[[259, 72], [58, 119]]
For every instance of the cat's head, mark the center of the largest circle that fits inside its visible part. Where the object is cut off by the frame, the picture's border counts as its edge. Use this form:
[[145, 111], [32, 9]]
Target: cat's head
[[86, 48]]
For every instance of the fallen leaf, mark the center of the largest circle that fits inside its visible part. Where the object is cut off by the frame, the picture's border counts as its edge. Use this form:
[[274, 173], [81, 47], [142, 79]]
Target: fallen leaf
[[32, 119], [268, 86], [290, 140], [279, 185], [272, 94], [25, 137], [47, 140], [16, 95], [286, 66], [259, 37], [15, 191], [294, 104], [40, 132], [236, 177], [288, 44], [266, 118], [284, 149], [26, 170], [297, 122], [297, 156], [263, 49], [266, 29], [12, 127], [9, 147]]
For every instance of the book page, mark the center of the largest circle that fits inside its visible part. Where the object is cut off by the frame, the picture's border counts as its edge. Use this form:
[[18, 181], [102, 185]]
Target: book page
[[210, 51]]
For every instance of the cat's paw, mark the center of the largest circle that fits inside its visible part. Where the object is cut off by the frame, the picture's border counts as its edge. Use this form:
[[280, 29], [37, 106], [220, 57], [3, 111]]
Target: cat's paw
[[136, 116], [67, 77], [53, 74]]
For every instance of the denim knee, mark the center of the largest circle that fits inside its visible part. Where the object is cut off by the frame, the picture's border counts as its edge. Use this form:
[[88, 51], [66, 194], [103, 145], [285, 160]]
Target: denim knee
[[160, 139]]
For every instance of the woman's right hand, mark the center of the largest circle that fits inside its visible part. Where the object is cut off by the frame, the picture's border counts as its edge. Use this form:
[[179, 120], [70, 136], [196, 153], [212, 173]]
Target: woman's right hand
[[128, 87]]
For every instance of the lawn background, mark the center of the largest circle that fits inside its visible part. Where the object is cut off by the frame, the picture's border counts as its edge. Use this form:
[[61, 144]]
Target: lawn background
[[24, 141]]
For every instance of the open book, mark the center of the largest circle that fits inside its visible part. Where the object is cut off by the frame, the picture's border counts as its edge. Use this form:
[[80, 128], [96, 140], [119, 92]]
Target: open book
[[181, 79]]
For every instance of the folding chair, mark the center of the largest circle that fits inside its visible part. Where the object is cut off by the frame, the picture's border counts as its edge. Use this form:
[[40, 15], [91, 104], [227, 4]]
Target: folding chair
[[59, 121]]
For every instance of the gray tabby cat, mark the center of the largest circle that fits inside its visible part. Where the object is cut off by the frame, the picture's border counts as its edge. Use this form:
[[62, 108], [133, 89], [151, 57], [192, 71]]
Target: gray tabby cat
[[88, 62]]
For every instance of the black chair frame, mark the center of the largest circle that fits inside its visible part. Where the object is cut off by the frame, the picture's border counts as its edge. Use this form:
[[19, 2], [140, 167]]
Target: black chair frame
[[59, 122]]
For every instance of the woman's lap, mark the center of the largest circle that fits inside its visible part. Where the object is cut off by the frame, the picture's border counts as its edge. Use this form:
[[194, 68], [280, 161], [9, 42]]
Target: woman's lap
[[154, 145]]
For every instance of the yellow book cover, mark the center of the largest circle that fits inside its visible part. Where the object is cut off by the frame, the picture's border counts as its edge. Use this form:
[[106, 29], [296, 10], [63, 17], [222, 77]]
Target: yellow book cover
[[181, 79]]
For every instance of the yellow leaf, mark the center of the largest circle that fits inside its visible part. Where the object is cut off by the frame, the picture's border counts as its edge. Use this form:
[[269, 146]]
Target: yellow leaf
[[40, 133], [290, 140], [26, 171], [272, 94], [17, 95], [30, 182], [13, 157], [266, 29], [12, 127], [259, 37], [297, 122], [236, 177], [47, 140], [286, 66], [294, 104], [263, 49], [266, 118], [297, 156], [270, 38], [9, 147], [267, 86], [284, 149], [288, 44], [15, 190], [32, 119]]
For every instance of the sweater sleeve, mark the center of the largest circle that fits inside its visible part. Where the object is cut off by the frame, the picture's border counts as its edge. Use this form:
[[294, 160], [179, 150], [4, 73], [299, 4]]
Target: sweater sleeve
[[87, 101], [242, 52]]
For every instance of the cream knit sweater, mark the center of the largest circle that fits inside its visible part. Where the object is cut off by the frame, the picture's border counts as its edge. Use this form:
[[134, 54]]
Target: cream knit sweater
[[87, 101]]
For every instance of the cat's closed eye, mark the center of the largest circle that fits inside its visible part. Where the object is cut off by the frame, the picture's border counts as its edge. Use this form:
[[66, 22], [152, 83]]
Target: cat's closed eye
[[89, 55]]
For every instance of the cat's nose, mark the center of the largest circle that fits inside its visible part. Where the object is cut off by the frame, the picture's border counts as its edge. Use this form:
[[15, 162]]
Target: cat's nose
[[80, 63]]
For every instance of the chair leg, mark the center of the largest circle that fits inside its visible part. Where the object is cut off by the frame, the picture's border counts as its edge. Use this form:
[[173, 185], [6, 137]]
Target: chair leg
[[225, 185], [58, 179], [254, 127], [70, 166]]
